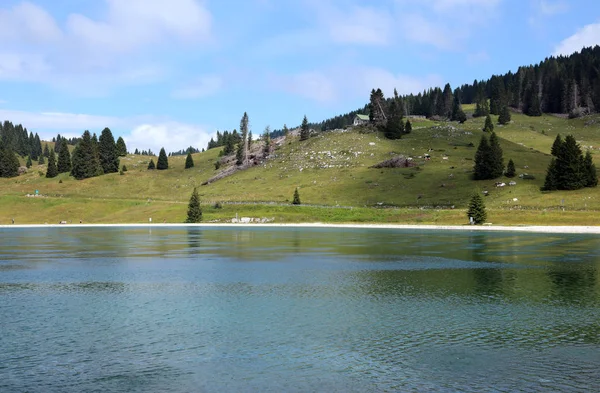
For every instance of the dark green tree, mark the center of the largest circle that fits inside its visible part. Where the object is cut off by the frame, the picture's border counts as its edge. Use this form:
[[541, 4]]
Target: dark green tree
[[151, 164], [510, 169], [28, 164], [296, 200], [64, 159], [107, 148], [477, 210], [556, 146], [52, 170], [488, 126], [194, 213], [482, 160], [189, 161], [46, 150], [504, 117], [589, 169], [457, 112], [551, 180], [121, 147], [395, 125], [9, 163], [408, 127], [304, 130], [41, 161], [124, 168], [163, 162], [267, 139], [496, 160], [85, 160]]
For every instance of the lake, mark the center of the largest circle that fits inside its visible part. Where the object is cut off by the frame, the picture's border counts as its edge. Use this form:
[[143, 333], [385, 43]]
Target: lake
[[189, 309]]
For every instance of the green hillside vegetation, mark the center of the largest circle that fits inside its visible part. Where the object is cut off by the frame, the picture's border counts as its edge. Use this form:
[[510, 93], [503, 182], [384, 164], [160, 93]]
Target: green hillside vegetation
[[334, 175]]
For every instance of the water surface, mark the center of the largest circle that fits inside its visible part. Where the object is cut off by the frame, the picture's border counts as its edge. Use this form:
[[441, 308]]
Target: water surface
[[297, 309]]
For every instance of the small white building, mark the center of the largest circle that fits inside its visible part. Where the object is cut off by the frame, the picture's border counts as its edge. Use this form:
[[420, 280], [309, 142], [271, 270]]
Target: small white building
[[359, 120]]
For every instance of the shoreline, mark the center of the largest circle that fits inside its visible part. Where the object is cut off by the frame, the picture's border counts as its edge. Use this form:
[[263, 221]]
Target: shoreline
[[489, 228]]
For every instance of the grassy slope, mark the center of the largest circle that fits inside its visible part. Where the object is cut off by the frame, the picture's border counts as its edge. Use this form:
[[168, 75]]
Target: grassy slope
[[332, 169]]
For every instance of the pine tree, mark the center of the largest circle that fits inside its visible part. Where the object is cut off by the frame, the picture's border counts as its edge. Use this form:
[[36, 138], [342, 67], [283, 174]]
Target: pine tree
[[41, 161], [504, 117], [28, 164], [304, 131], [136, 151], [286, 131], [121, 147], [151, 165], [551, 181], [482, 160], [64, 159], [189, 161], [194, 213], [9, 163], [457, 112], [296, 200], [52, 170], [556, 146], [242, 156], [107, 148], [163, 161], [591, 178], [85, 160], [408, 127], [239, 155], [477, 210], [488, 126], [46, 150], [496, 161], [267, 138], [395, 126], [510, 169], [447, 100]]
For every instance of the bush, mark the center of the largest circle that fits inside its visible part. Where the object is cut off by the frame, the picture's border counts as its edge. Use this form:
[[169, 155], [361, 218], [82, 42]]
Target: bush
[[124, 168], [218, 205]]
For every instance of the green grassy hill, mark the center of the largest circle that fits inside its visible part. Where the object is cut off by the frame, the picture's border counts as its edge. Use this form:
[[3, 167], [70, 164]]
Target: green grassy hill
[[337, 184]]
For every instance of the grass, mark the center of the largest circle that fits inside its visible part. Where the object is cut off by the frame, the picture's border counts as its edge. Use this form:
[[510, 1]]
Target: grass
[[336, 182]]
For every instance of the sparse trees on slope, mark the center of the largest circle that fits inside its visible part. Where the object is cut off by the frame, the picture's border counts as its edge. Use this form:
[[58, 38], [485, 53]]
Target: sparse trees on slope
[[189, 161], [194, 213], [477, 210], [304, 130], [52, 170], [163, 162]]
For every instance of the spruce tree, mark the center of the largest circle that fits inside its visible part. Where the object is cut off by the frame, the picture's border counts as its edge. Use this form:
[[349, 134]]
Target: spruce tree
[[477, 210], [504, 117], [64, 159], [569, 165], [28, 164], [85, 160], [482, 160], [9, 163], [556, 146], [121, 147], [267, 138], [488, 126], [46, 150], [496, 161], [163, 161], [296, 200], [304, 131], [41, 161], [408, 127], [591, 178], [395, 126], [286, 131], [510, 169], [151, 164], [240, 154], [194, 213], [457, 112], [52, 170], [551, 180], [107, 149], [189, 161]]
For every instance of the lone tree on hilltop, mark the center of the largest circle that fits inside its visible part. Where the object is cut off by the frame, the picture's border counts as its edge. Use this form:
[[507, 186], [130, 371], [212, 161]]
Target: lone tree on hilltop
[[304, 131], [151, 164], [477, 210], [163, 161], [296, 200], [189, 161], [52, 171], [194, 213], [121, 147]]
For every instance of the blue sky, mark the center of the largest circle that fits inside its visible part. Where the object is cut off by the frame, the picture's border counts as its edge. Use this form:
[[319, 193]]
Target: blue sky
[[171, 73]]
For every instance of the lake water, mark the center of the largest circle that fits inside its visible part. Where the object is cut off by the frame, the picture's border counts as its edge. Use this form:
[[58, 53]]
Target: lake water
[[297, 310]]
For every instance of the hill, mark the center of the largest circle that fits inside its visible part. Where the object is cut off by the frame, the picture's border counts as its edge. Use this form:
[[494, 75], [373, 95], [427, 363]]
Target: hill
[[333, 172]]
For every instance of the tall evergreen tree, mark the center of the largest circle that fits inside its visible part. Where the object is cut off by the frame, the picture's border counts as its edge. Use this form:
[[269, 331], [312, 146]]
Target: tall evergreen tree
[[52, 170], [41, 161], [304, 130], [46, 150], [510, 169], [267, 139], [28, 164], [556, 146], [85, 160], [163, 162], [482, 160], [121, 147], [9, 163], [107, 149], [457, 112], [589, 169], [194, 213], [377, 105], [477, 210], [395, 125], [189, 161], [447, 100], [496, 160], [408, 127], [296, 200], [488, 126], [64, 159], [244, 128], [569, 170], [504, 117]]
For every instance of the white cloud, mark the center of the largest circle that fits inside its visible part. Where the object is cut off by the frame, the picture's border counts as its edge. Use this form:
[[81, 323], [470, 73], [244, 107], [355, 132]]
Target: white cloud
[[204, 86], [173, 136], [28, 23], [587, 36]]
